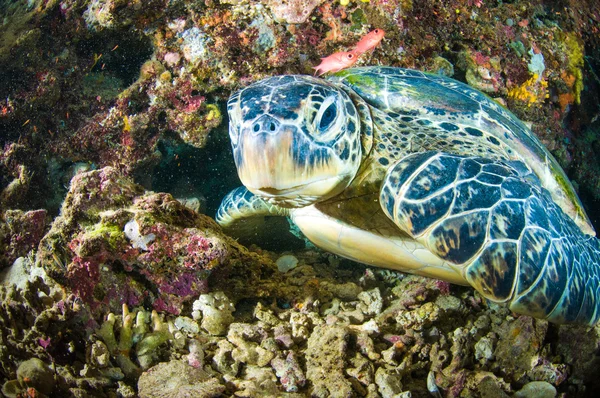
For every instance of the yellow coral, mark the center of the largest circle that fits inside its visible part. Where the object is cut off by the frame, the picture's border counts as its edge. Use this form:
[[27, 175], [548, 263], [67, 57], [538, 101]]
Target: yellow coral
[[531, 91], [213, 112], [126, 124]]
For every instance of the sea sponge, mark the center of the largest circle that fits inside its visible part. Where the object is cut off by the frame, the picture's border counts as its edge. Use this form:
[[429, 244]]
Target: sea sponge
[[138, 241]]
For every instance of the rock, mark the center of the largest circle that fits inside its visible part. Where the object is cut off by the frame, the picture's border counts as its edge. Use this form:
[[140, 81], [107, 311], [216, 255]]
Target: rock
[[344, 291], [488, 387], [449, 303], [292, 11], [216, 312], [519, 344], [326, 361], [37, 374], [19, 233], [578, 345], [484, 349], [186, 325], [21, 272], [12, 388], [289, 372], [106, 220], [176, 379], [286, 263], [536, 389], [371, 301], [388, 382], [246, 338]]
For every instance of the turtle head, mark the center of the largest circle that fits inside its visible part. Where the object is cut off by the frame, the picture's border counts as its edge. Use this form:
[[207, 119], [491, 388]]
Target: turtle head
[[296, 139]]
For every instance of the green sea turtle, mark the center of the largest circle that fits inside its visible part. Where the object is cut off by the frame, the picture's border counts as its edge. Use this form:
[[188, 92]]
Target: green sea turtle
[[420, 173]]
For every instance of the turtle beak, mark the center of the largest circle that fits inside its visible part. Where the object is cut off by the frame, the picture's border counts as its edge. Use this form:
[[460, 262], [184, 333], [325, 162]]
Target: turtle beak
[[278, 163]]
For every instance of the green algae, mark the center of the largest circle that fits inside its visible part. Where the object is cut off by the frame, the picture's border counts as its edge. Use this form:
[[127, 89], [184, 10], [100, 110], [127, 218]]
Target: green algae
[[567, 188], [358, 19], [111, 233]]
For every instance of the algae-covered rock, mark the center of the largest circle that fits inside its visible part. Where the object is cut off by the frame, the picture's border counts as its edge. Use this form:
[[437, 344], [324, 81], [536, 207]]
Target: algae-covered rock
[[33, 376], [536, 389], [20, 232], [113, 244], [579, 346], [520, 343], [326, 352], [488, 385], [176, 379], [34, 372]]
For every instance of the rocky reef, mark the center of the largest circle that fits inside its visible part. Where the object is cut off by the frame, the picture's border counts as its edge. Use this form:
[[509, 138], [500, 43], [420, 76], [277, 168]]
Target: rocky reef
[[114, 146], [328, 328], [141, 88]]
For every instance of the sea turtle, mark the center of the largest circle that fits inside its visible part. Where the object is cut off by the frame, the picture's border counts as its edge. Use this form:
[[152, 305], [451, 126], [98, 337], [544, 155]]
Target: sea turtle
[[420, 173]]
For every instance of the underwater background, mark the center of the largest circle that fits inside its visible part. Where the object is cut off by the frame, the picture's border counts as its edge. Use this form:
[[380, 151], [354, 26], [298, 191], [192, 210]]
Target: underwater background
[[114, 158]]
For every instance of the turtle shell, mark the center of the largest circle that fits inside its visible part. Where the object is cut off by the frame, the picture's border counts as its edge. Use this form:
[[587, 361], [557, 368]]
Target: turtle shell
[[453, 112]]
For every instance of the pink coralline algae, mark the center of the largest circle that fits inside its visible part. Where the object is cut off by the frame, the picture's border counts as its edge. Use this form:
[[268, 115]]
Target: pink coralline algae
[[200, 253], [104, 264], [84, 275], [178, 264], [20, 232]]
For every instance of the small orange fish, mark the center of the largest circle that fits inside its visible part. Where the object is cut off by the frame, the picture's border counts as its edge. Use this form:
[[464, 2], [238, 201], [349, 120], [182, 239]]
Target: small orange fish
[[369, 41], [336, 62]]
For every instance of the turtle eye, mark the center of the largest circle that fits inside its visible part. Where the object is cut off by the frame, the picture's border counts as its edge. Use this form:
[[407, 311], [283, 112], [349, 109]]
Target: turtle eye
[[326, 115]]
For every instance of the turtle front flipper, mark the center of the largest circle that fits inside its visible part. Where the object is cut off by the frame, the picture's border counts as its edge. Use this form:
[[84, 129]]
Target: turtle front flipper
[[243, 213], [501, 230]]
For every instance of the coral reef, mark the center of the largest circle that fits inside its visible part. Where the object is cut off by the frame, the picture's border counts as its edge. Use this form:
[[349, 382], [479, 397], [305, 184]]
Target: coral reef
[[128, 292], [131, 78]]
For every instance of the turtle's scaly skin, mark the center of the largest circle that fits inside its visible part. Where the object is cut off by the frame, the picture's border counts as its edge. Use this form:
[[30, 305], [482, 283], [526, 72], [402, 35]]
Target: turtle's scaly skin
[[419, 173]]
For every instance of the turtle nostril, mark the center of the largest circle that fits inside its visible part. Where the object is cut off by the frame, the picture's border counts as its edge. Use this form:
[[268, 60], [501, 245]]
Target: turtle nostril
[[265, 124]]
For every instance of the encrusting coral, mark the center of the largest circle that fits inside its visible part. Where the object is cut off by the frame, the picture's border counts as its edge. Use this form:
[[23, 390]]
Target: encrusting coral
[[133, 332]]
